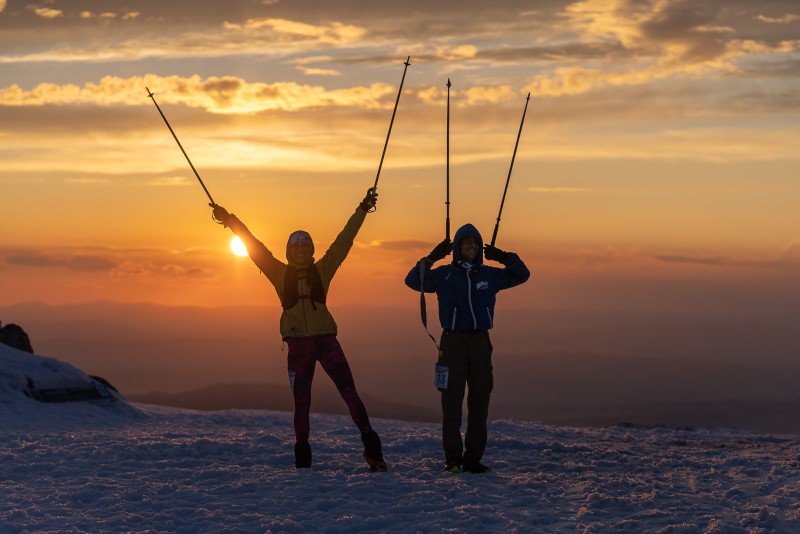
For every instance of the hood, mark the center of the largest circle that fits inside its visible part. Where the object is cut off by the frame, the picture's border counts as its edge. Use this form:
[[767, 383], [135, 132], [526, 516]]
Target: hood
[[299, 235], [461, 233]]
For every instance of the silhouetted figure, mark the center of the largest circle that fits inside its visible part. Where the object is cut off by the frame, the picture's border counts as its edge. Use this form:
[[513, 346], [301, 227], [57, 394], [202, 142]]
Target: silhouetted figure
[[308, 327], [466, 290]]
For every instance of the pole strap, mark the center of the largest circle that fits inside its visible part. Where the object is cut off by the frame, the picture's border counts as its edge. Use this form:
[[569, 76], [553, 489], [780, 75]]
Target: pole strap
[[423, 308]]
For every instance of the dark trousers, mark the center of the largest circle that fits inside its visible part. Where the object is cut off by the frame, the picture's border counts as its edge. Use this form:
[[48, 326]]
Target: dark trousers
[[469, 358], [304, 353]]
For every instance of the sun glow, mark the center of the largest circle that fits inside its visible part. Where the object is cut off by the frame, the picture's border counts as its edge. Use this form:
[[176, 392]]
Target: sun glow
[[238, 247]]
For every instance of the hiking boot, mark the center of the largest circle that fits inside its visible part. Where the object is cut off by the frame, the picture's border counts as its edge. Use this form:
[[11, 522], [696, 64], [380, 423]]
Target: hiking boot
[[476, 467], [376, 465], [453, 468], [373, 453], [302, 455]]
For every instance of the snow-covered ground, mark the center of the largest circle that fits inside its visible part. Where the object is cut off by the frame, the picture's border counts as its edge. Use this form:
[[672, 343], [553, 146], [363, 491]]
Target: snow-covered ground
[[114, 467]]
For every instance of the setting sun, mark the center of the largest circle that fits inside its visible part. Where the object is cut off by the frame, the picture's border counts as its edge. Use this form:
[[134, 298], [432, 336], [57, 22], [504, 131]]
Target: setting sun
[[238, 247]]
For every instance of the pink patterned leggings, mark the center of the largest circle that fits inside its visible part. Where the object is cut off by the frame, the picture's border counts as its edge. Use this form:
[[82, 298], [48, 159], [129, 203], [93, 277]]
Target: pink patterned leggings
[[304, 353]]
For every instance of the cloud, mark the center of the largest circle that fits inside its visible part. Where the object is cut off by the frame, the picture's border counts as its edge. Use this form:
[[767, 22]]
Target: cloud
[[46, 12], [170, 181], [254, 37], [226, 94], [2, 5], [302, 66], [662, 40], [560, 190], [119, 263], [398, 244], [80, 262], [33, 260], [688, 259], [333, 33], [90, 263], [786, 19], [108, 16], [88, 181], [790, 256], [310, 71]]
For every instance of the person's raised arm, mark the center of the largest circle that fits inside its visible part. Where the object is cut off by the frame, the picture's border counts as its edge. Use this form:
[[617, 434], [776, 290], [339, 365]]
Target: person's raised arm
[[515, 272], [423, 267], [258, 252], [341, 246]]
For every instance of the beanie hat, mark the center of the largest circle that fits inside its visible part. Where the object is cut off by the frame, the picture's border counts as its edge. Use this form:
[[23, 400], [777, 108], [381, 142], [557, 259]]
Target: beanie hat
[[299, 236]]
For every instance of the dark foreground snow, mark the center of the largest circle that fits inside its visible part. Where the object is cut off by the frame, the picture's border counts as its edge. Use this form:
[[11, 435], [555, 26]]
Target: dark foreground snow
[[117, 467]]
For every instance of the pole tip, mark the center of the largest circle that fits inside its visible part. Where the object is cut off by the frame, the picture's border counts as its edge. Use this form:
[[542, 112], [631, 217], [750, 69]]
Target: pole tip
[[448, 83], [149, 92], [408, 61], [529, 96]]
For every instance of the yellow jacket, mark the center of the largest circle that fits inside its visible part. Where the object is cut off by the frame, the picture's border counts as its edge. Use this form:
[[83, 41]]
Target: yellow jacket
[[305, 318]]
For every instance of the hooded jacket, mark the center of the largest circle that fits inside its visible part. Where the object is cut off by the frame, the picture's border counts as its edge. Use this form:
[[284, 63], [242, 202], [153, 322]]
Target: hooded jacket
[[304, 317], [467, 294]]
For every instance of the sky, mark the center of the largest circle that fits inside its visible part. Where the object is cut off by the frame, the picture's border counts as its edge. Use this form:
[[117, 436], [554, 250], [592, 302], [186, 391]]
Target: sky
[[657, 164]]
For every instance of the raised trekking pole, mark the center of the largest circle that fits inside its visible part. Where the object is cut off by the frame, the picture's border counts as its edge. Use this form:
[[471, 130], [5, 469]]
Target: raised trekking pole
[[150, 94], [447, 202], [407, 63], [513, 156]]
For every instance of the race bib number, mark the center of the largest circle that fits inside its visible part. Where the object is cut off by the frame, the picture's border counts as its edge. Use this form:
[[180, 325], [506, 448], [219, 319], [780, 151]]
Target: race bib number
[[440, 375]]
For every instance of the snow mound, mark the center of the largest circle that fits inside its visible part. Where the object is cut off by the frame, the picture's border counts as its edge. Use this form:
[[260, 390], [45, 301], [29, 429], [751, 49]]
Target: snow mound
[[23, 375]]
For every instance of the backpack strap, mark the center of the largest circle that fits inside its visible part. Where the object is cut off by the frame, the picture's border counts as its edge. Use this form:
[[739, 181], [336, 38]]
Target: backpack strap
[[290, 290]]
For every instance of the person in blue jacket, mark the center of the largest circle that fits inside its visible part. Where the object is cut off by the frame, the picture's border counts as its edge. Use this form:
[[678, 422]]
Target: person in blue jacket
[[466, 290]]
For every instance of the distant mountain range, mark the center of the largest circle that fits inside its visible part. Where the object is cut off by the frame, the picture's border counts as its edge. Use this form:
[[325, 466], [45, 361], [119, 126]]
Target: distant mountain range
[[572, 367]]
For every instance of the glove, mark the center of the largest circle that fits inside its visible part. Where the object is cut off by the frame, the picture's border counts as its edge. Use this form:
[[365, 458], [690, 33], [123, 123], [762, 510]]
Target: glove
[[491, 252], [440, 251], [370, 199], [220, 215]]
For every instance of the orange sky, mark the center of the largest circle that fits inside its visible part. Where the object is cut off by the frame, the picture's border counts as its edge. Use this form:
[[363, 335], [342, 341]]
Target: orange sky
[[660, 145]]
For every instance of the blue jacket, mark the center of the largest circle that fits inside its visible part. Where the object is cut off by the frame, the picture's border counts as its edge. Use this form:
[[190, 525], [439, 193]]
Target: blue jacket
[[467, 294]]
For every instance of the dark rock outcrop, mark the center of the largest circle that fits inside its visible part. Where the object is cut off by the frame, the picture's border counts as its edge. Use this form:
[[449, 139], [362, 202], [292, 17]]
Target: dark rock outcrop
[[14, 336]]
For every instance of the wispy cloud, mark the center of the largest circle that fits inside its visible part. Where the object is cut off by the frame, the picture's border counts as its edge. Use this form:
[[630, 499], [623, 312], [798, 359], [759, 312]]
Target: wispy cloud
[[116, 263], [78, 262], [333, 33], [791, 256], [786, 19], [253, 37], [560, 190], [311, 71], [788, 258], [670, 258], [46, 12], [398, 244]]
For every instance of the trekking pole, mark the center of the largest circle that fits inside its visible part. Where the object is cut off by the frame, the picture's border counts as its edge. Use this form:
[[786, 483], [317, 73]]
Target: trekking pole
[[447, 202], [407, 63], [513, 156], [150, 94]]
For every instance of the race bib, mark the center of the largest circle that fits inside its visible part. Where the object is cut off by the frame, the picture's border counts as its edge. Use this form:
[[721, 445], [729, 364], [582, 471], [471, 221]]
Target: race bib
[[440, 374]]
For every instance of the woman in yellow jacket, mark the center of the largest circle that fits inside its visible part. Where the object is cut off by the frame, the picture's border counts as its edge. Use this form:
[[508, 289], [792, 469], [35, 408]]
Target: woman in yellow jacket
[[308, 327]]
